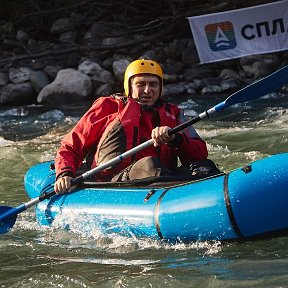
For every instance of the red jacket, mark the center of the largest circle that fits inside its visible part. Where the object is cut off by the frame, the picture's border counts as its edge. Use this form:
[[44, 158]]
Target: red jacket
[[114, 125]]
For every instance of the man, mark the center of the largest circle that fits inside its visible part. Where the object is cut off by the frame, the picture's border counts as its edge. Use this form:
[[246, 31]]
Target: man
[[116, 124]]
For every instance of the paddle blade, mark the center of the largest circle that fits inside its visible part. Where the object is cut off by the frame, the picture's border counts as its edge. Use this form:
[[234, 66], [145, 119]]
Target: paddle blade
[[8, 216], [257, 89]]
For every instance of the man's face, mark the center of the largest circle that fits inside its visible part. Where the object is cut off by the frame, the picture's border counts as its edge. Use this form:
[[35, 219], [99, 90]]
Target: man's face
[[145, 89]]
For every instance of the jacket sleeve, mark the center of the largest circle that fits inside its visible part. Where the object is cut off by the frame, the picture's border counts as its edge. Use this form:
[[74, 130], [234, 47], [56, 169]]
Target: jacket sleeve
[[191, 146], [84, 136]]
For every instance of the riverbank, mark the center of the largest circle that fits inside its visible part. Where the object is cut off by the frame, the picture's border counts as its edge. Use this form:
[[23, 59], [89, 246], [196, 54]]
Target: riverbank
[[80, 56]]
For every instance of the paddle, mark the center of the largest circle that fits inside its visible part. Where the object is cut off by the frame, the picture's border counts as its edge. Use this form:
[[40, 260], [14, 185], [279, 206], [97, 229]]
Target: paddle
[[8, 215]]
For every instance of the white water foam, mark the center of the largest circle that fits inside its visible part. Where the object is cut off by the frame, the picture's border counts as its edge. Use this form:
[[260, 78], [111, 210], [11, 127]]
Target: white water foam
[[4, 143], [93, 237], [205, 133], [14, 112]]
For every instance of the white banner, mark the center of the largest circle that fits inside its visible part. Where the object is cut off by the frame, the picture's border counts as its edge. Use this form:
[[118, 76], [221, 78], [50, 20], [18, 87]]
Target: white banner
[[242, 32]]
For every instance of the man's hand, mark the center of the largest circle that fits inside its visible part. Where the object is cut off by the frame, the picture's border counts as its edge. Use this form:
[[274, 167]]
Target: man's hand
[[160, 135], [63, 184]]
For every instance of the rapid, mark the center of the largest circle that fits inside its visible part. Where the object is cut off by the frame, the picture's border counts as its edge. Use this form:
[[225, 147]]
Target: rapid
[[48, 257]]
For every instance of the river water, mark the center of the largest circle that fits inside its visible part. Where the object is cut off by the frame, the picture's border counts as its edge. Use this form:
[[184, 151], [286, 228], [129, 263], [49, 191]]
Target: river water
[[31, 256]]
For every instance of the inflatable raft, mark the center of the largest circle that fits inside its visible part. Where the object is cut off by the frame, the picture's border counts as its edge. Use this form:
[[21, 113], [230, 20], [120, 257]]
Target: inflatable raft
[[247, 203]]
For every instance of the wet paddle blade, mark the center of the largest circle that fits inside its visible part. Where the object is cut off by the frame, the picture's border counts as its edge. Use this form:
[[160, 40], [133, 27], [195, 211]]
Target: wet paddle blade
[[7, 219], [257, 89], [260, 88]]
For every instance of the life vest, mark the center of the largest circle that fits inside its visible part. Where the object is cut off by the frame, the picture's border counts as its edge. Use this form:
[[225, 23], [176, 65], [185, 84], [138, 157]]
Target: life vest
[[123, 133]]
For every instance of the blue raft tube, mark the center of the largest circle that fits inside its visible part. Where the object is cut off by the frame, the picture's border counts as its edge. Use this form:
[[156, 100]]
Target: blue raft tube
[[247, 203]]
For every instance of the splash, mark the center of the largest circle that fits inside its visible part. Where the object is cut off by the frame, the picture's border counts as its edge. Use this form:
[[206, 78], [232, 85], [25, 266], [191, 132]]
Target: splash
[[4, 143], [95, 238]]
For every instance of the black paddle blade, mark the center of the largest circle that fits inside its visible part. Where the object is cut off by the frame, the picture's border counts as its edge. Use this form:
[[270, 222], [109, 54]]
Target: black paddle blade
[[7, 219]]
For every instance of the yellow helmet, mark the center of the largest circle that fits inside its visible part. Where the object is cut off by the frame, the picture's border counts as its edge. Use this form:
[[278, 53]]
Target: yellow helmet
[[142, 66]]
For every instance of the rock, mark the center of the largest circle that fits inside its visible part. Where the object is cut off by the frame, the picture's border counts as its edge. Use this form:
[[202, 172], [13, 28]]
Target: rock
[[18, 94], [168, 79], [107, 64], [211, 81], [197, 83], [37, 64], [257, 70], [98, 32], [228, 74], [173, 89], [105, 77], [190, 88], [258, 66], [61, 25], [87, 38], [230, 80], [173, 49], [189, 56], [89, 68], [119, 68], [104, 90], [77, 19], [211, 85], [70, 86], [4, 80], [102, 29], [149, 54], [109, 41], [68, 37], [38, 80], [267, 58], [52, 71], [96, 73], [230, 85], [174, 67], [19, 75], [22, 36], [194, 86], [191, 91], [211, 89], [197, 73]]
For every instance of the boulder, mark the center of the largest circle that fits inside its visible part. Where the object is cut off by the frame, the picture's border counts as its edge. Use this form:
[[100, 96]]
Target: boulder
[[39, 80], [96, 72], [17, 94], [61, 25], [4, 80], [52, 71], [173, 89], [119, 67], [258, 66], [19, 75], [70, 86]]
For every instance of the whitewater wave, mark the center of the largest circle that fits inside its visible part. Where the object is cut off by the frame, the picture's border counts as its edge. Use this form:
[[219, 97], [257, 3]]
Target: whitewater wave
[[94, 238], [5, 143]]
